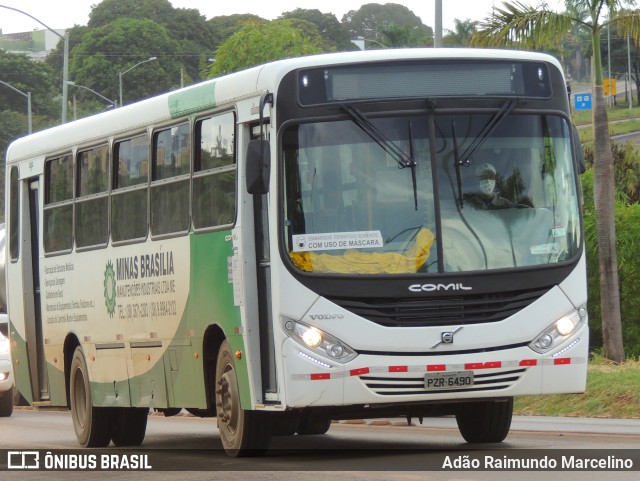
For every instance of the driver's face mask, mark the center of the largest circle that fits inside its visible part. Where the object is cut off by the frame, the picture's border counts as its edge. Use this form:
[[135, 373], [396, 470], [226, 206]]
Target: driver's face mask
[[487, 186]]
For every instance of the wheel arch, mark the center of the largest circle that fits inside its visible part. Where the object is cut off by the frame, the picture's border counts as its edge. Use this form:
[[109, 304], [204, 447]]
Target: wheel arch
[[70, 344], [213, 338]]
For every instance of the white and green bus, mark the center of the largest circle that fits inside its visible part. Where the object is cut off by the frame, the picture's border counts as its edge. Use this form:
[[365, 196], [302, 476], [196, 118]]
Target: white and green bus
[[354, 235]]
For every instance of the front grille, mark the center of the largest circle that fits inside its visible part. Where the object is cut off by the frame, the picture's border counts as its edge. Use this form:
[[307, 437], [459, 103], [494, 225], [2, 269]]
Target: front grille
[[399, 386], [441, 311]]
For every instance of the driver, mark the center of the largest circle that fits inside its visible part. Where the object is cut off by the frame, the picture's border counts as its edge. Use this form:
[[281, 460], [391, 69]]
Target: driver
[[486, 197]]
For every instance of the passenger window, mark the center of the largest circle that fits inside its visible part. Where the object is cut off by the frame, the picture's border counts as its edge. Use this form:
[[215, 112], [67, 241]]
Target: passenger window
[[170, 183], [58, 208], [214, 179], [129, 199], [92, 207]]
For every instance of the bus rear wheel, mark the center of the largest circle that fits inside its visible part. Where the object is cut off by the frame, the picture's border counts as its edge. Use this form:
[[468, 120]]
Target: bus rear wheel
[[243, 432], [131, 426], [485, 421], [93, 425]]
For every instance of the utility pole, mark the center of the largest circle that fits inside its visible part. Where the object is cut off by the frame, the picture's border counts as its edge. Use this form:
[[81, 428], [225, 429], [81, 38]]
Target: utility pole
[[437, 39]]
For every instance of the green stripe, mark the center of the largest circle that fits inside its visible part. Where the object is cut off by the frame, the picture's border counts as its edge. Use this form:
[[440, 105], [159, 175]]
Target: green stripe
[[194, 99]]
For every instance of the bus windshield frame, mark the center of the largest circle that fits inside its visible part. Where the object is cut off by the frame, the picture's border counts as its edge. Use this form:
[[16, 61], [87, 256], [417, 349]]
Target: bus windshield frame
[[484, 191]]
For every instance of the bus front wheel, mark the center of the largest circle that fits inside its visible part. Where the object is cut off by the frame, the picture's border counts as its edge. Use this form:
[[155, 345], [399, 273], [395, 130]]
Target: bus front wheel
[[93, 425], [243, 432], [485, 421], [6, 403]]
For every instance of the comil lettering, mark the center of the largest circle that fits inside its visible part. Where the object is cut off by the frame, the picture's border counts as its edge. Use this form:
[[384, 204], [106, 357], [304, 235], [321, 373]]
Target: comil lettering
[[454, 286]]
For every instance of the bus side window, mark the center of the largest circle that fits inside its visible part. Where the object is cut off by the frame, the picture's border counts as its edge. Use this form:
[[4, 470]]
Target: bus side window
[[92, 200], [214, 177], [58, 208], [170, 182], [129, 199]]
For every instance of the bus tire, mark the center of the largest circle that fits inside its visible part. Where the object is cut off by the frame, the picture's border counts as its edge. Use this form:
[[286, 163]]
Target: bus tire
[[485, 421], [313, 424], [285, 424], [93, 425], [242, 432], [6, 403], [131, 426]]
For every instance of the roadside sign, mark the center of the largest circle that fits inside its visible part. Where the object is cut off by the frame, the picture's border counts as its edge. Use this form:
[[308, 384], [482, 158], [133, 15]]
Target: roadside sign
[[583, 101], [610, 86]]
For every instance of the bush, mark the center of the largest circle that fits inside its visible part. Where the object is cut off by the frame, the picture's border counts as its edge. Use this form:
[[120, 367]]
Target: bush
[[628, 247]]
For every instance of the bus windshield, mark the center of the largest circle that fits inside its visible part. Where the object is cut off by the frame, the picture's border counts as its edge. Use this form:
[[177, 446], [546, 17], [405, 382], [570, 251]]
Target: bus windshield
[[429, 193]]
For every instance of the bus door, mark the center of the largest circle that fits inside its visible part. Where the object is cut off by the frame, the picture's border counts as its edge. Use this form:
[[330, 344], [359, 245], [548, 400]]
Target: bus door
[[263, 271], [34, 335], [257, 180]]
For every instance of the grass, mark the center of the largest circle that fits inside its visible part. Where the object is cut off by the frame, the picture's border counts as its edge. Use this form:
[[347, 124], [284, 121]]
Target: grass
[[615, 128], [613, 391]]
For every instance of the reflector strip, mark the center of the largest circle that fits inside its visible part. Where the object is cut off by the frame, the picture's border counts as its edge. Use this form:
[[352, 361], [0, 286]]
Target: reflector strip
[[563, 360], [528, 362], [436, 367], [471, 366], [398, 368], [359, 372], [482, 365]]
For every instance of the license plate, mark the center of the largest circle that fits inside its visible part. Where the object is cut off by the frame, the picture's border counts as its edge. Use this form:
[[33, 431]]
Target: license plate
[[434, 381]]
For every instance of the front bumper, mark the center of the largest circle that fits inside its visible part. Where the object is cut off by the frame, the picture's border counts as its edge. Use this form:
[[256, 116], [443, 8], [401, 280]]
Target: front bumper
[[383, 379]]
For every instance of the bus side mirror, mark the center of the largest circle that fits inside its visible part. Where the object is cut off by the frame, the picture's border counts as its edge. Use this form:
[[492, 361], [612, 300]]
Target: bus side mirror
[[258, 166], [578, 151]]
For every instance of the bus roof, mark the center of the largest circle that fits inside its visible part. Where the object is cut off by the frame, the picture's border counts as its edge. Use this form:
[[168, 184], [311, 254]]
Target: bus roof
[[220, 91]]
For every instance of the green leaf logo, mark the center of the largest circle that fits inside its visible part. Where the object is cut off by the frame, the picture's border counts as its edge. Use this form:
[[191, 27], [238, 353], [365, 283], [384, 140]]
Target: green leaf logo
[[110, 288]]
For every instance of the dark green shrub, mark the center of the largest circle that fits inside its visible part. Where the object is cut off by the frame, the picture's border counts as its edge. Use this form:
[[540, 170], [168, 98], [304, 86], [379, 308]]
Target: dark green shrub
[[628, 249]]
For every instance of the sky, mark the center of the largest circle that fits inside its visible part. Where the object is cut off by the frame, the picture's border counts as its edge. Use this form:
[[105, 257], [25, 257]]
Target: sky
[[61, 14]]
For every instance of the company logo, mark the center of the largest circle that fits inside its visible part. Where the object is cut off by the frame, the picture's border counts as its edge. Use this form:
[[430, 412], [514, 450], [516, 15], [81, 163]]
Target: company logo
[[316, 317], [454, 286], [110, 288], [446, 337]]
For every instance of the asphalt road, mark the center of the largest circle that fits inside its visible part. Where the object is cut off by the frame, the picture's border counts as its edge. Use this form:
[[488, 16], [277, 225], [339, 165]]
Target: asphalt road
[[371, 450]]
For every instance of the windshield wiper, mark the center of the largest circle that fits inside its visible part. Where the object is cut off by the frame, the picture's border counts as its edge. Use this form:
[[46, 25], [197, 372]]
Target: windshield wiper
[[387, 145], [487, 130]]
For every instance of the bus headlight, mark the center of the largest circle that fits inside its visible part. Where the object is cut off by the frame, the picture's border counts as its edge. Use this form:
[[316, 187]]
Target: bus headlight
[[560, 330], [318, 341]]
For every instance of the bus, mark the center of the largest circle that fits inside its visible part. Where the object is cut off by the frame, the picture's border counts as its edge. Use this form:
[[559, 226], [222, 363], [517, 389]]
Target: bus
[[344, 236]]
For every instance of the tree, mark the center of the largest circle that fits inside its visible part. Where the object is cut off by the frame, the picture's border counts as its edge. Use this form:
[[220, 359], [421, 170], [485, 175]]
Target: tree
[[461, 35], [106, 51], [397, 36], [372, 18], [12, 126], [336, 36], [28, 76], [109, 11], [518, 25], [194, 36], [226, 25], [260, 43]]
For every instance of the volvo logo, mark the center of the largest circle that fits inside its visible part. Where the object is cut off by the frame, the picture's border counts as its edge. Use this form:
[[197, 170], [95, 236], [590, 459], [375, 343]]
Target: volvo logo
[[446, 337], [316, 317], [454, 286]]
